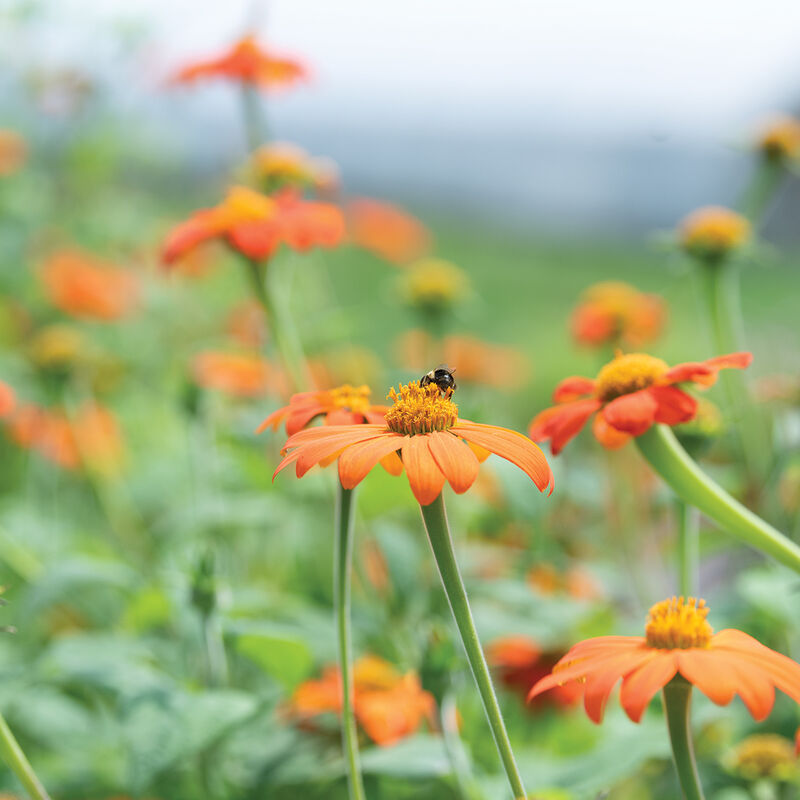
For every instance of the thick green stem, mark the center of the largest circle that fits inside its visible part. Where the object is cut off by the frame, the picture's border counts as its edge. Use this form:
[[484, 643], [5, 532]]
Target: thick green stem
[[286, 342], [666, 456], [435, 518], [13, 756], [688, 548], [342, 570], [677, 704]]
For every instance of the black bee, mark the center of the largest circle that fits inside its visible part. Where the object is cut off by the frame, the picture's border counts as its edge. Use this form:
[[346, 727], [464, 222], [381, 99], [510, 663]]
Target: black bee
[[442, 376]]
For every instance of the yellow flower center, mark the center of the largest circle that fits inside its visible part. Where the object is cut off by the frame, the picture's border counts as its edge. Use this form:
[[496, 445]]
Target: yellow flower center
[[713, 231], [420, 409], [678, 624], [352, 398], [628, 373], [764, 755]]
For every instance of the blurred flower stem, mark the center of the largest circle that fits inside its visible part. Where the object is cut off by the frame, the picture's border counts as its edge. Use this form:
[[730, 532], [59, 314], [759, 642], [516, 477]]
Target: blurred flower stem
[[434, 517], [282, 330], [757, 196], [688, 548], [666, 456], [342, 570], [19, 764], [454, 747], [677, 704], [255, 123]]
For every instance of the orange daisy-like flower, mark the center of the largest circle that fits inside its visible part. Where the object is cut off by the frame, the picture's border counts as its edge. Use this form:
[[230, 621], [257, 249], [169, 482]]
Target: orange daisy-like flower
[[435, 446], [281, 164], [631, 393], [386, 230], [247, 63], [85, 287], [780, 139], [678, 640], [713, 232], [256, 225], [7, 400], [237, 374], [344, 405], [617, 313]]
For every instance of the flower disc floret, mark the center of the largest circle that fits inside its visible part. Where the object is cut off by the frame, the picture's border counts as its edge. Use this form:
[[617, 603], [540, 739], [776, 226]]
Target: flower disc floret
[[420, 409], [678, 624], [352, 398], [629, 373]]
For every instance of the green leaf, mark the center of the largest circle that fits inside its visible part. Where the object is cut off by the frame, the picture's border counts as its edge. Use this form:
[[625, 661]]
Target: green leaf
[[285, 658]]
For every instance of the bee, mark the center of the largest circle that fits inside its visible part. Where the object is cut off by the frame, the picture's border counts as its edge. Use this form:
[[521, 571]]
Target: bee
[[442, 376]]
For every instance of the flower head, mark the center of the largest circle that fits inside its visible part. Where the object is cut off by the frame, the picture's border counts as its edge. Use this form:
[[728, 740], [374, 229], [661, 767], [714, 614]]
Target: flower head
[[629, 395], [236, 374], [764, 755], [85, 287], [711, 233], [434, 285], [435, 445], [247, 63], [678, 640], [617, 313], [255, 225], [386, 230], [779, 139], [280, 164]]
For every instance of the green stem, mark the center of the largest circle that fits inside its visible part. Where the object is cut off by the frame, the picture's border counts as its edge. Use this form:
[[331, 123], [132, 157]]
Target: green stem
[[434, 517], [766, 180], [454, 747], [677, 703], [214, 646], [666, 456], [286, 343], [688, 552], [20, 766], [255, 125], [342, 570]]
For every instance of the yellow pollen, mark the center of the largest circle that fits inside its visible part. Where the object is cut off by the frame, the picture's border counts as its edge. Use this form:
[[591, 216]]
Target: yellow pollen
[[628, 373], [351, 398], [678, 624], [420, 409]]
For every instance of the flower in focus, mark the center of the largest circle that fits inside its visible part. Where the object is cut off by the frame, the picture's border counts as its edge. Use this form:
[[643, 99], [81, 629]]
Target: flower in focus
[[386, 230], [435, 446], [630, 394], [7, 400], [434, 286], [678, 640], [713, 232], [256, 225], [779, 139], [387, 705], [764, 755], [85, 287], [618, 314], [236, 374], [247, 63], [278, 165], [13, 152]]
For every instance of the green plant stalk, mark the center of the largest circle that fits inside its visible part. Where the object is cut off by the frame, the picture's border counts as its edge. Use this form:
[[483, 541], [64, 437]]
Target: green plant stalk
[[677, 704], [255, 124], [342, 571], [460, 766], [766, 179], [688, 548], [666, 456], [13, 756], [214, 647], [283, 335], [434, 517]]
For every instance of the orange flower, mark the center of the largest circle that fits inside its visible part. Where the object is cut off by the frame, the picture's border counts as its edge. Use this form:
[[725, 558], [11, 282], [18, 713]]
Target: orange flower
[[678, 640], [256, 225], [246, 325], [13, 152], [616, 313], [237, 374], [386, 230], [7, 400], [780, 139], [632, 392], [281, 164], [98, 439], [575, 582], [434, 444], [344, 405], [713, 232], [247, 63], [85, 287]]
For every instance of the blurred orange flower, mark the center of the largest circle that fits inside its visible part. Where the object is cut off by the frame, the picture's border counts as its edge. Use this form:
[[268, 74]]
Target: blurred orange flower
[[13, 152], [576, 582], [388, 706], [386, 230], [246, 62], [85, 287], [618, 314], [246, 325], [7, 399], [280, 164], [256, 225], [678, 640], [713, 232], [780, 138], [236, 374], [630, 394]]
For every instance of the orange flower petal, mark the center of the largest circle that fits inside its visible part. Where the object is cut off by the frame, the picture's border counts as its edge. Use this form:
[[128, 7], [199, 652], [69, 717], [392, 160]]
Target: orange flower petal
[[674, 406], [705, 372], [710, 672], [456, 461], [632, 413], [639, 686], [609, 437], [561, 423], [600, 683], [318, 443], [7, 399], [297, 419], [358, 459], [424, 475], [393, 464], [572, 389]]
